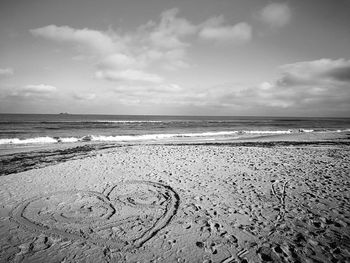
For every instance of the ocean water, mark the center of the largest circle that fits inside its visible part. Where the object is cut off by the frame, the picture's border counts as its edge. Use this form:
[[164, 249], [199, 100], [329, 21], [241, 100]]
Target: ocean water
[[31, 129]]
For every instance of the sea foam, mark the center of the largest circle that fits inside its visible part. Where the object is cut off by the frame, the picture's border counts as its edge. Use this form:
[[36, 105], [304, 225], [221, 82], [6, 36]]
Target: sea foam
[[151, 137]]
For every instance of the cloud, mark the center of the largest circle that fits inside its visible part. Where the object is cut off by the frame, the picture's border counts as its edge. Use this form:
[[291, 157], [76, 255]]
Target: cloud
[[135, 59], [170, 30], [149, 93], [317, 71], [118, 60], [310, 86], [84, 96], [94, 40], [161, 88], [175, 59], [275, 14], [128, 75], [341, 73], [123, 55], [39, 91], [156, 44], [6, 71], [214, 29], [121, 67]]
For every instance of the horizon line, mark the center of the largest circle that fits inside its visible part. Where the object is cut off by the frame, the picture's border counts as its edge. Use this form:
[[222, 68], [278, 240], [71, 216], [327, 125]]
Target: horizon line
[[173, 115]]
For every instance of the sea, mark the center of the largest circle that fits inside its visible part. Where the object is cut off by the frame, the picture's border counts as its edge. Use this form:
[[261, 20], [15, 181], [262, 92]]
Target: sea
[[41, 129]]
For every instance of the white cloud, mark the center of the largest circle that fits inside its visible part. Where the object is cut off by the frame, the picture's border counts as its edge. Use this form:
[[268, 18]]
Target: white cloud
[[128, 75], [39, 89], [84, 96], [311, 86], [122, 55], [170, 29], [127, 58], [162, 44], [35, 91], [215, 30], [94, 40], [175, 59], [6, 71], [118, 60], [149, 93], [168, 41], [275, 14], [161, 88]]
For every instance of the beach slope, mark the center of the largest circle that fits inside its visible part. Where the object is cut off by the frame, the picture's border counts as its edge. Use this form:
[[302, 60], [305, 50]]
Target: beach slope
[[227, 202]]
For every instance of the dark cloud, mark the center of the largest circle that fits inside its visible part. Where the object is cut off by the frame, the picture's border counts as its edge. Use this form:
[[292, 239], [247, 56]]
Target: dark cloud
[[340, 73]]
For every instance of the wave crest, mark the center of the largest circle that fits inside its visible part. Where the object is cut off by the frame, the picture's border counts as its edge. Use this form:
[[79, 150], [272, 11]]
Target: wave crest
[[148, 137]]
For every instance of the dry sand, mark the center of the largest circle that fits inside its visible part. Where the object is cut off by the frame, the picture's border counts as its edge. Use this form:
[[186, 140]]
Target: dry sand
[[182, 203]]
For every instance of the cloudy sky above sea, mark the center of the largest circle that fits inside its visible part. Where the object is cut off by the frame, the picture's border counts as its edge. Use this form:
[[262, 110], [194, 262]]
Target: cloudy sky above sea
[[176, 57]]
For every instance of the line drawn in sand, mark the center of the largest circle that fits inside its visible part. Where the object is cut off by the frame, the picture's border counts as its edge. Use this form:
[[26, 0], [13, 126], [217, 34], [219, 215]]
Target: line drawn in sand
[[279, 191], [123, 217]]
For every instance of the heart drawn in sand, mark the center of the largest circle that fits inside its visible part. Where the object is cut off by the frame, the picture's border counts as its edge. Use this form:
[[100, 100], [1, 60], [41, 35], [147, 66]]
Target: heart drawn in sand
[[124, 217]]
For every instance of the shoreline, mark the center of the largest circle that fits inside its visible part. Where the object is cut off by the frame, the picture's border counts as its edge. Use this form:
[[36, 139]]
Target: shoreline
[[309, 136], [23, 159]]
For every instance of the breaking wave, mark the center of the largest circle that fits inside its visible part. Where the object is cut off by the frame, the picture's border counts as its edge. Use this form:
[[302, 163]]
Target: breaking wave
[[117, 138], [149, 137]]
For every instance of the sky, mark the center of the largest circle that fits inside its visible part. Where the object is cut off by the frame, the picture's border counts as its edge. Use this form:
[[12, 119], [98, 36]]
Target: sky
[[176, 57]]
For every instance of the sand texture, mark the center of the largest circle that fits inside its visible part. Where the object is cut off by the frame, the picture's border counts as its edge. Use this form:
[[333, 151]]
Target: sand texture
[[181, 203]]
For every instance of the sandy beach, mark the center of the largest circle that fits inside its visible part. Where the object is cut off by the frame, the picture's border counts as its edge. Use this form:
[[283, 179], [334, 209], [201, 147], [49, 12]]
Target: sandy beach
[[185, 131], [257, 201]]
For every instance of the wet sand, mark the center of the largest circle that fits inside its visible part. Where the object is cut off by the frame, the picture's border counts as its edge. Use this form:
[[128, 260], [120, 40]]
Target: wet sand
[[254, 201]]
